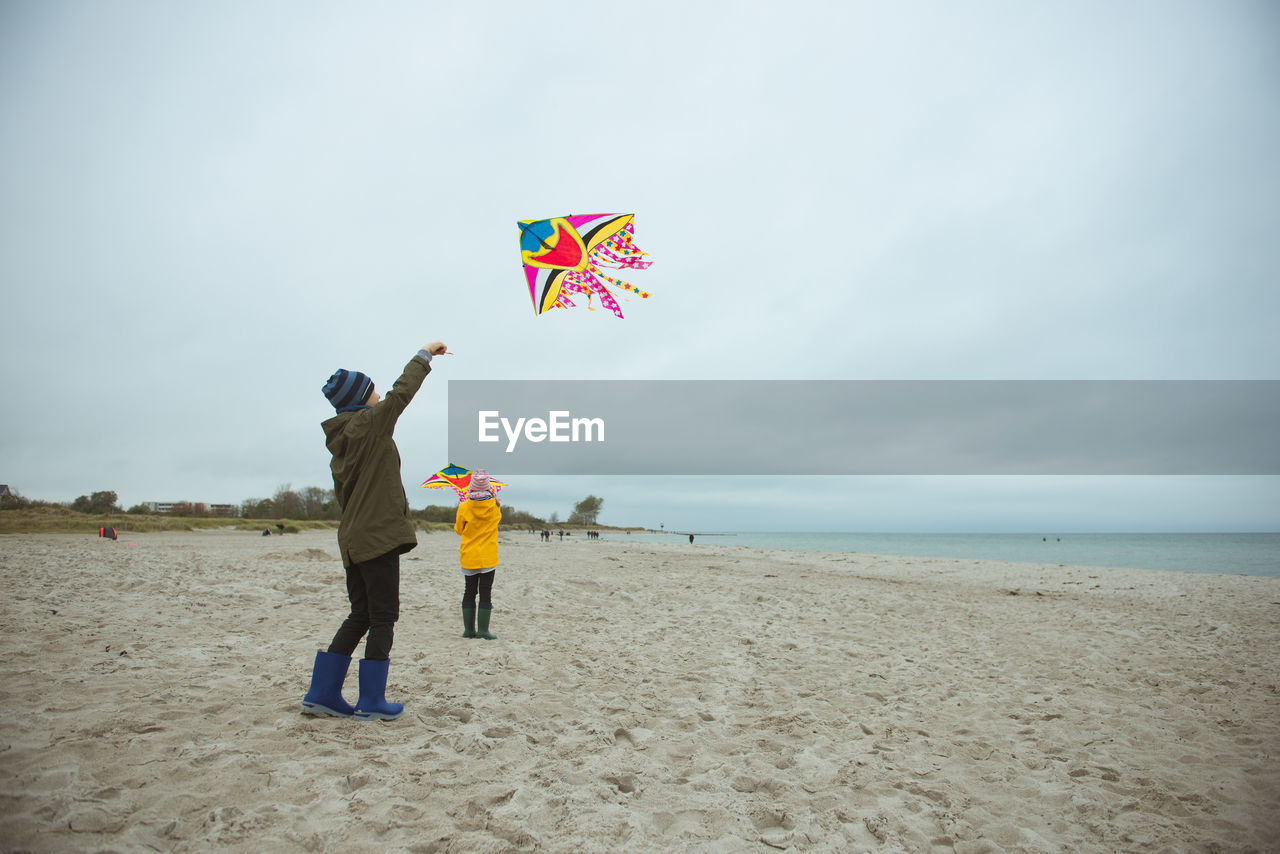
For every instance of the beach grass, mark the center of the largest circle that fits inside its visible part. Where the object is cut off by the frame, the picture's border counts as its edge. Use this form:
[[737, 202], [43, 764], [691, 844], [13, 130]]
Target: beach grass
[[62, 520], [58, 519]]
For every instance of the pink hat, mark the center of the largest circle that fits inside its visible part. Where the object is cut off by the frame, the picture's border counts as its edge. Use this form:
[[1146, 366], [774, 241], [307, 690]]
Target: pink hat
[[479, 488]]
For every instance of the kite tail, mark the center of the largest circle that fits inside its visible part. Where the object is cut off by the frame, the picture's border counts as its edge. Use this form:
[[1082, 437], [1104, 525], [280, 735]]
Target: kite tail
[[586, 282], [620, 253], [620, 284]]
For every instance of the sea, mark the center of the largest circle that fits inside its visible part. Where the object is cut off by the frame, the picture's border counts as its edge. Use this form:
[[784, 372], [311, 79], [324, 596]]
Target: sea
[[1229, 554]]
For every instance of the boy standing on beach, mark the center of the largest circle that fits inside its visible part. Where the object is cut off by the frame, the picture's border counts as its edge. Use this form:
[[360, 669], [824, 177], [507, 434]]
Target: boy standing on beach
[[374, 532]]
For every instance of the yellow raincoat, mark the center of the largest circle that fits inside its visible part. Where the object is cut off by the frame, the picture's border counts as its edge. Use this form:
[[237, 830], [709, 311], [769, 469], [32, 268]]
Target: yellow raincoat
[[477, 523]]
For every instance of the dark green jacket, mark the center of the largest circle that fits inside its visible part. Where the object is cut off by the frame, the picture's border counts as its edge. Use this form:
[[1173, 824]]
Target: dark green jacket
[[366, 473]]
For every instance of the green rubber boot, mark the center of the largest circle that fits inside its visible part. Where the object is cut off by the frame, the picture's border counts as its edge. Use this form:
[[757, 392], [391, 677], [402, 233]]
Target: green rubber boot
[[468, 622], [482, 624]]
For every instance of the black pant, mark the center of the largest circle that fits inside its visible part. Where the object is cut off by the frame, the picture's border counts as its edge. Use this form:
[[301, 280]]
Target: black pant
[[482, 584], [374, 590]]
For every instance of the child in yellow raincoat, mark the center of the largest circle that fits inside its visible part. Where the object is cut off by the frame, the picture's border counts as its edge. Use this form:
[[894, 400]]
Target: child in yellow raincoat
[[477, 523]]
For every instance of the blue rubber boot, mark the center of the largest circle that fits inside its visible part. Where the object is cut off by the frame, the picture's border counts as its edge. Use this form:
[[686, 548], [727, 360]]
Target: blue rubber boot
[[324, 697], [373, 705]]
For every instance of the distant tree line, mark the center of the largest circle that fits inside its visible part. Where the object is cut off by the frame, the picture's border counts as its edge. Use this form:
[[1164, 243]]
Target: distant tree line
[[312, 503], [98, 503]]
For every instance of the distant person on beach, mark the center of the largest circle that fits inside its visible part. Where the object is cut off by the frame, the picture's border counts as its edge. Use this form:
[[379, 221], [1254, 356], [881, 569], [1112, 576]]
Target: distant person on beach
[[477, 524], [375, 530], [691, 539]]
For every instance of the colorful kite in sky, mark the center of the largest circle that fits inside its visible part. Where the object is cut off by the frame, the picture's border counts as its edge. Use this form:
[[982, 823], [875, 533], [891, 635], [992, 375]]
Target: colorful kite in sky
[[458, 479], [564, 256]]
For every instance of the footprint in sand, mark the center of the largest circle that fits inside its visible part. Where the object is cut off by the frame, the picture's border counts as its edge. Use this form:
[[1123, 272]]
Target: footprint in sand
[[355, 782], [675, 824], [774, 827], [625, 783]]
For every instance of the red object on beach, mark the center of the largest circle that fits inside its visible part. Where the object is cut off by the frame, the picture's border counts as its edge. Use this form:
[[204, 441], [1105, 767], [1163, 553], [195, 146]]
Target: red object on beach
[[107, 533]]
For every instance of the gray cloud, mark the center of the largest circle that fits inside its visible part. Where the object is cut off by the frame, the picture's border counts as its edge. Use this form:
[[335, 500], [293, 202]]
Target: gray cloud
[[205, 210]]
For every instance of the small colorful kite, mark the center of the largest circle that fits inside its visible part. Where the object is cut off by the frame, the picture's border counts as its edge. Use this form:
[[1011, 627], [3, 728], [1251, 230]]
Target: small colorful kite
[[458, 479], [565, 255]]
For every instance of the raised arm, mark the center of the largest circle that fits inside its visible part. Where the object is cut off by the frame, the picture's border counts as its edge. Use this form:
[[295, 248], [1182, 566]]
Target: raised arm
[[387, 411]]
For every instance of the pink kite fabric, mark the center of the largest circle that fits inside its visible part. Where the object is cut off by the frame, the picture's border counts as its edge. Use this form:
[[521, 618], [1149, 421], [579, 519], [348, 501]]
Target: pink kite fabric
[[458, 479]]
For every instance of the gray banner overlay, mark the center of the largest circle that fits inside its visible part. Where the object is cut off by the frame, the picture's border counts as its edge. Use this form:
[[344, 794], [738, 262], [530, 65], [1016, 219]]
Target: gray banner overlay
[[874, 427]]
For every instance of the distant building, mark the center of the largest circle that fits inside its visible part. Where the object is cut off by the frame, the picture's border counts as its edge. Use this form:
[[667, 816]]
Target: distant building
[[196, 507]]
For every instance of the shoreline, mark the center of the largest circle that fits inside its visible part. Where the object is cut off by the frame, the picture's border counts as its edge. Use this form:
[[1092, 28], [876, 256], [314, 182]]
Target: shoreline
[[1258, 561], [639, 697], [676, 547], [1253, 554], [515, 534]]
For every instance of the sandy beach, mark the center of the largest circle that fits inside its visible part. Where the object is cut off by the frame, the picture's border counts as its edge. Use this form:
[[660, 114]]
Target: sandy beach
[[640, 697]]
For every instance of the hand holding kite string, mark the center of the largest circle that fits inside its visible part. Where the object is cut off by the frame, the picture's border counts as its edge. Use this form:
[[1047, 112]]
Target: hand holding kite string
[[435, 348], [564, 255]]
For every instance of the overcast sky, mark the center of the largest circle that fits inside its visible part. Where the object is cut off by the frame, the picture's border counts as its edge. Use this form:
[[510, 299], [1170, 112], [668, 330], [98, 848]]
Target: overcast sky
[[207, 208]]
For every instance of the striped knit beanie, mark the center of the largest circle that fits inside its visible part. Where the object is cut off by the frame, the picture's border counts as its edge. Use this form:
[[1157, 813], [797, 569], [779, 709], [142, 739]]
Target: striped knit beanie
[[346, 389], [479, 488]]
